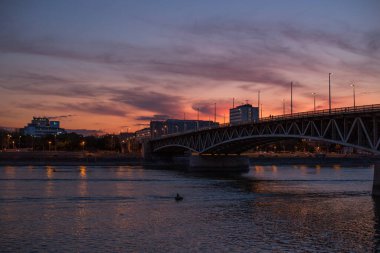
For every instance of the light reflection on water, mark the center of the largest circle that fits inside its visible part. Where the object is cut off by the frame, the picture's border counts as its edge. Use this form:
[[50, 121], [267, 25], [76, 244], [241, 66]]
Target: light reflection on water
[[124, 208]]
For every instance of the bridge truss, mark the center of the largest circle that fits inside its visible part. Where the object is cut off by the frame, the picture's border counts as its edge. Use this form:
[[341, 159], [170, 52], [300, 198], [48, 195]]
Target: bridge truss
[[357, 127]]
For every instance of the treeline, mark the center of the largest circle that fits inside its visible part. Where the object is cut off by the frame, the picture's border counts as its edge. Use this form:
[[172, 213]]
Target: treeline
[[61, 142], [110, 142]]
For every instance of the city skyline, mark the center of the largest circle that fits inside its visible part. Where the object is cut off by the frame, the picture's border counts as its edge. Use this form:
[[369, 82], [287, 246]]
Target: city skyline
[[115, 66]]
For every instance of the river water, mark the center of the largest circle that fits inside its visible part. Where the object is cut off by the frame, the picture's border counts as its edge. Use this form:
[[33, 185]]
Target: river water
[[132, 209]]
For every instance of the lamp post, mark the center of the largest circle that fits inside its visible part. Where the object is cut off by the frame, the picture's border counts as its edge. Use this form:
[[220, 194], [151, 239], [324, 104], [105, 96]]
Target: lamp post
[[214, 112], [291, 98], [49, 142], [353, 91], [258, 98], [330, 92], [197, 118], [55, 142], [283, 106], [314, 99], [83, 143], [9, 140], [184, 122]]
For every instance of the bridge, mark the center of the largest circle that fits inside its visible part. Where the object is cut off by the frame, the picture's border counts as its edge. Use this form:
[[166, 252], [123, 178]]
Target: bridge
[[356, 127]]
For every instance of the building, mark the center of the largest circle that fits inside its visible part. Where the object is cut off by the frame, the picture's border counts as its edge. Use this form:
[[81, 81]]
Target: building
[[143, 134], [41, 126], [173, 126], [244, 114]]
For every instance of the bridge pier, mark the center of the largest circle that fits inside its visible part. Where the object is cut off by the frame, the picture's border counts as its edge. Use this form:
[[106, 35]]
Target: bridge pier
[[218, 163], [376, 180], [146, 150]]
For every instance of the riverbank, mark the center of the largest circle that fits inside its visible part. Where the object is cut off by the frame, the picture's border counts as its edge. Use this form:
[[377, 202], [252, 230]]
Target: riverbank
[[113, 158], [312, 159], [56, 158]]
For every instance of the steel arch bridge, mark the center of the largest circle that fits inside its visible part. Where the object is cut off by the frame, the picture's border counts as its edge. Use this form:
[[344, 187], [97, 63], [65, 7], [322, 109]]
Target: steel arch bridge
[[357, 127]]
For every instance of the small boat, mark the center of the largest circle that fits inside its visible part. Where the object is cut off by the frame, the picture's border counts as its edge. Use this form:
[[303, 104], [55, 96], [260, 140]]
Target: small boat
[[178, 197]]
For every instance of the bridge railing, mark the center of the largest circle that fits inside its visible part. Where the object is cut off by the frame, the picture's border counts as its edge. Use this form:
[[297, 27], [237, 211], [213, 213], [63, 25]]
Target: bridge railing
[[325, 112], [317, 113]]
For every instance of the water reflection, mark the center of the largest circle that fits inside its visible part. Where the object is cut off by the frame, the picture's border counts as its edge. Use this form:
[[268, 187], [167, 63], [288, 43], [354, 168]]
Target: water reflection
[[130, 209], [49, 171], [259, 169], [318, 168], [10, 171], [83, 171]]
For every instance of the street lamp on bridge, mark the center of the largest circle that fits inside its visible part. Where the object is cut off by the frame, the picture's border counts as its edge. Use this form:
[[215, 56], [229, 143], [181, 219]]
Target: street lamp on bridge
[[214, 112], [258, 98], [314, 99], [353, 91], [291, 97], [330, 92]]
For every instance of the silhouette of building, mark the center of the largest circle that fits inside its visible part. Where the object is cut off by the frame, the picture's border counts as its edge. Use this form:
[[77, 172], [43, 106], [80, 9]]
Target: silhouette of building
[[244, 114], [41, 126], [143, 134]]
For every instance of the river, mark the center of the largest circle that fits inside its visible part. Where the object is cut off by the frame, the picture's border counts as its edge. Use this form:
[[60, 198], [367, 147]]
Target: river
[[132, 209]]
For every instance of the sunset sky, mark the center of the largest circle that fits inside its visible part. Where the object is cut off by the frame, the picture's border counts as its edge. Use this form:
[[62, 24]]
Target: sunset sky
[[113, 65]]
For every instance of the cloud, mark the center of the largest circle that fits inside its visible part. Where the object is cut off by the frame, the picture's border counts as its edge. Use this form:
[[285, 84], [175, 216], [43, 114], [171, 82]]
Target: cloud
[[154, 117], [98, 108], [150, 100], [203, 107], [60, 117], [208, 54], [219, 50], [140, 98], [46, 84]]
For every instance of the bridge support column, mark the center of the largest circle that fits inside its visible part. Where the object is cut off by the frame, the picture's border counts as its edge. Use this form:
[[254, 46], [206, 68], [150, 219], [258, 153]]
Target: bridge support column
[[146, 151], [219, 163], [376, 180]]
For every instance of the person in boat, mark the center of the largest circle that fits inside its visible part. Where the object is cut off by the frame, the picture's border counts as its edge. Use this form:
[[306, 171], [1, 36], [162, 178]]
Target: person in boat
[[178, 197]]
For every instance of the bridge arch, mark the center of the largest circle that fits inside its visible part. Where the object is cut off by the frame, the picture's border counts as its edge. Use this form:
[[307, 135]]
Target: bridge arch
[[269, 138], [173, 147]]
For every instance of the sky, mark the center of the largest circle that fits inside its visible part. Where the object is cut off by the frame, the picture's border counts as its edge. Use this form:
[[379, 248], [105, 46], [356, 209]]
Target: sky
[[115, 65]]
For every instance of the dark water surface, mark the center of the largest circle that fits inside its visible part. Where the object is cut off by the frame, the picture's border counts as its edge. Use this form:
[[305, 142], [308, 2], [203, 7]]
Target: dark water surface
[[132, 209]]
